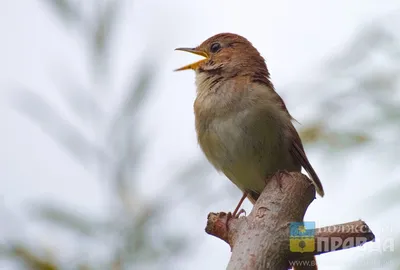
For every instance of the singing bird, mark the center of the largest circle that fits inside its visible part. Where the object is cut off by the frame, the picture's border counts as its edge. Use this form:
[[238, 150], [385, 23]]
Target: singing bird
[[242, 124]]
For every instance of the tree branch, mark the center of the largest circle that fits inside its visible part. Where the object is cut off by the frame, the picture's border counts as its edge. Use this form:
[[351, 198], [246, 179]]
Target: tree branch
[[261, 239]]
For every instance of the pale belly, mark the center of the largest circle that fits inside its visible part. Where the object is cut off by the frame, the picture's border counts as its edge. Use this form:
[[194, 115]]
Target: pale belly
[[247, 149]]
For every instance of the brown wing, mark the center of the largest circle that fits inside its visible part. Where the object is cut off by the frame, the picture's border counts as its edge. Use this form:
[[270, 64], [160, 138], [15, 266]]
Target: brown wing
[[297, 151]]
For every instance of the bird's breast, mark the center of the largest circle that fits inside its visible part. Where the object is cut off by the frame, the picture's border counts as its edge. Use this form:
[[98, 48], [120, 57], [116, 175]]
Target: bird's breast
[[245, 145]]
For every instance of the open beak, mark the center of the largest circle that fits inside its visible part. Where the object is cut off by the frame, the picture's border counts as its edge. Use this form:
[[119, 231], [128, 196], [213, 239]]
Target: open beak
[[195, 65]]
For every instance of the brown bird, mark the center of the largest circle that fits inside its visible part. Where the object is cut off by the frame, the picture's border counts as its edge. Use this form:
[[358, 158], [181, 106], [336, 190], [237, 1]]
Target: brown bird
[[242, 124]]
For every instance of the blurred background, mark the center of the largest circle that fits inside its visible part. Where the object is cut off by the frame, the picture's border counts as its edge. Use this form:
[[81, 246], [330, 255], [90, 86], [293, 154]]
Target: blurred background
[[99, 164]]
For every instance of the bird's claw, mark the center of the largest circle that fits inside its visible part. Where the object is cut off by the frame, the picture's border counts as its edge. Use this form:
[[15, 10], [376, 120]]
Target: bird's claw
[[234, 215], [241, 211]]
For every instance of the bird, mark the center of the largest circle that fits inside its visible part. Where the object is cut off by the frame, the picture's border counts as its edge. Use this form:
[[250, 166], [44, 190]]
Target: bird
[[242, 124]]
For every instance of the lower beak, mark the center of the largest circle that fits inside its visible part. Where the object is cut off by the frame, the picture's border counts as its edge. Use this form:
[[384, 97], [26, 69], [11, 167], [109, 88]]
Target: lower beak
[[195, 65]]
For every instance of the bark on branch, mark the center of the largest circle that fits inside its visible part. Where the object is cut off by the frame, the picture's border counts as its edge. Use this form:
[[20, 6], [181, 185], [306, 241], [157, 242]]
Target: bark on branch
[[261, 239]]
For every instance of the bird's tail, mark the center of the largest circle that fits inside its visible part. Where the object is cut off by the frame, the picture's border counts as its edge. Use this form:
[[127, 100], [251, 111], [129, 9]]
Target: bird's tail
[[299, 154]]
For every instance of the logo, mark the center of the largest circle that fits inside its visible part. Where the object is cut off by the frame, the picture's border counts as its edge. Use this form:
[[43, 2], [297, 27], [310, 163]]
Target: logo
[[301, 237]]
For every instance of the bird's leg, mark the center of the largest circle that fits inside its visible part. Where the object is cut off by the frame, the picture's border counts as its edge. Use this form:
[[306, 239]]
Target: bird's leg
[[237, 213]]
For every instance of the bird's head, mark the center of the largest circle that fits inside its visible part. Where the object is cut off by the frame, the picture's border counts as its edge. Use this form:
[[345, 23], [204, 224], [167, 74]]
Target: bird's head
[[227, 54]]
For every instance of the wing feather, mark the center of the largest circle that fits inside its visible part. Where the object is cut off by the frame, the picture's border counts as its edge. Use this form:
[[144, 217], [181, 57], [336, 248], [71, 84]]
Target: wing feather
[[298, 153]]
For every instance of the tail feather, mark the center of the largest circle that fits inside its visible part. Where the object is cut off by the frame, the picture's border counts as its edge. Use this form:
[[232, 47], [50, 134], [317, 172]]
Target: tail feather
[[298, 152]]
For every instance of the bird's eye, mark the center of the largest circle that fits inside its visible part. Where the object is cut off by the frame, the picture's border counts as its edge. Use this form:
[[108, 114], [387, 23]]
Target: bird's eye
[[215, 47]]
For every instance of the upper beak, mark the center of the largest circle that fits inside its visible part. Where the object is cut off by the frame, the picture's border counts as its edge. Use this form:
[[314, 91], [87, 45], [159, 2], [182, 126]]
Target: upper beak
[[193, 65]]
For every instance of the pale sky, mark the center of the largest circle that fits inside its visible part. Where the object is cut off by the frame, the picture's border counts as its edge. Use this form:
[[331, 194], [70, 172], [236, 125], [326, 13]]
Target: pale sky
[[295, 37]]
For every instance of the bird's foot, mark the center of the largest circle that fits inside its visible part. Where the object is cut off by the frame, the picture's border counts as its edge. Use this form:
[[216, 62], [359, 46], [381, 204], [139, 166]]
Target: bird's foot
[[236, 212], [234, 215], [237, 215]]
